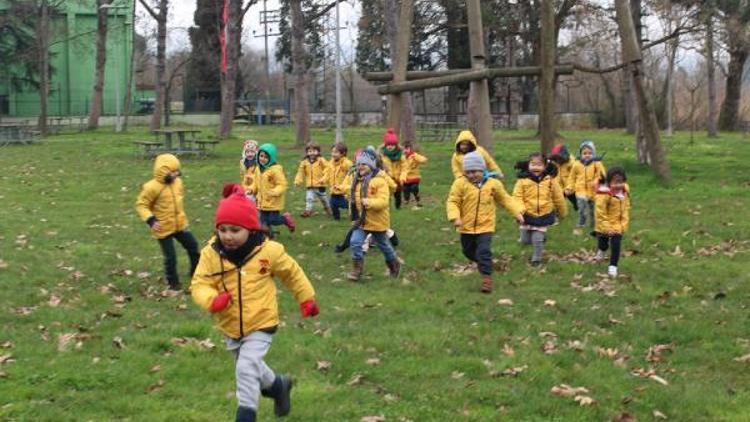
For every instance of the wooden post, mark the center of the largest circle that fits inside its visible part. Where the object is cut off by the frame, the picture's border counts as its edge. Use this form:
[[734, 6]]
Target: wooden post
[[547, 81], [632, 55], [400, 61], [492, 72], [479, 89]]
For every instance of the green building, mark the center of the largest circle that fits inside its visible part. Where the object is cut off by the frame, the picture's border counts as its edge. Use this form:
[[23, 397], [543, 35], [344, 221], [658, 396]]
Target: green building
[[73, 59]]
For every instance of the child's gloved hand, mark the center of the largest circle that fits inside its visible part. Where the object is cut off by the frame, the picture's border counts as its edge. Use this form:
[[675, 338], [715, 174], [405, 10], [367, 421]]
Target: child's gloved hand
[[309, 308], [220, 302]]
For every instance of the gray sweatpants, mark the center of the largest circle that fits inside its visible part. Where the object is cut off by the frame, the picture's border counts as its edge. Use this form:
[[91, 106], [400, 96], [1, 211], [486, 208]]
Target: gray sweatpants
[[251, 372], [585, 210], [315, 193], [536, 238]]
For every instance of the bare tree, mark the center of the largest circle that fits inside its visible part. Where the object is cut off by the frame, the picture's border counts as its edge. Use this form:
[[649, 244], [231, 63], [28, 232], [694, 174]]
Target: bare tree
[[102, 10], [160, 16], [299, 70], [737, 25], [131, 72], [547, 80], [176, 67], [711, 75], [398, 17]]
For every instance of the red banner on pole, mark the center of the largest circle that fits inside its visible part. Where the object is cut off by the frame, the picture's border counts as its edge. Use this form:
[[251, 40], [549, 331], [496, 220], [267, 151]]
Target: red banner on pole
[[223, 35]]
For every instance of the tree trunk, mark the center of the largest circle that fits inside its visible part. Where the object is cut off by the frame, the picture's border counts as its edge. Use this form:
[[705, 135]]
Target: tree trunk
[[547, 80], [299, 70], [479, 90], [514, 94], [400, 106], [711, 76], [457, 39], [101, 62], [632, 54], [161, 63], [669, 94], [631, 107], [43, 63], [728, 118], [229, 81], [131, 72], [352, 100]]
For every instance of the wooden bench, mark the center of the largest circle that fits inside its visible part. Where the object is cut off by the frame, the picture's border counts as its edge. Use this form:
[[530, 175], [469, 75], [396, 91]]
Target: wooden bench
[[206, 147], [148, 149], [745, 127]]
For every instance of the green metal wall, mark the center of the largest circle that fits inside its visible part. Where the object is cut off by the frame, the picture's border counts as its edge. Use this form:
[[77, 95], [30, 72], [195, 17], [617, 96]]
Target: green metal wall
[[73, 56]]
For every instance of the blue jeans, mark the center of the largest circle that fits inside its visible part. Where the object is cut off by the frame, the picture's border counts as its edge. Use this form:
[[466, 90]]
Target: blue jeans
[[585, 211], [380, 238], [338, 202]]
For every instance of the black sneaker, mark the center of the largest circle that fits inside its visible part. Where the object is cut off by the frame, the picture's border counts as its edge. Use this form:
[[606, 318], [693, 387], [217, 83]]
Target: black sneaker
[[281, 393]]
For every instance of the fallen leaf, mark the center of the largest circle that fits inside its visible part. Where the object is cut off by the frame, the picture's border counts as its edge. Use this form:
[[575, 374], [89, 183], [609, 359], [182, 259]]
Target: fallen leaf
[[659, 379], [513, 372], [54, 301], [323, 365], [118, 342], [677, 252], [6, 358], [565, 390], [155, 386], [63, 341], [624, 417], [306, 232], [658, 415], [576, 345], [3, 264], [743, 358], [24, 310], [607, 352], [77, 275], [457, 375], [508, 350], [549, 347], [143, 275], [584, 400], [7, 345], [155, 368], [550, 303], [373, 361], [356, 379], [654, 353], [372, 419], [505, 302]]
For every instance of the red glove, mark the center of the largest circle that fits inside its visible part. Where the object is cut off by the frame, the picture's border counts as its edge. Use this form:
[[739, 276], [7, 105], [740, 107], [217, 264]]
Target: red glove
[[309, 308], [220, 302]]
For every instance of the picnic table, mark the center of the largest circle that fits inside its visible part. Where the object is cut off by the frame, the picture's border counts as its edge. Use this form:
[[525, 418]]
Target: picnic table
[[16, 133], [185, 138], [177, 141], [436, 131]]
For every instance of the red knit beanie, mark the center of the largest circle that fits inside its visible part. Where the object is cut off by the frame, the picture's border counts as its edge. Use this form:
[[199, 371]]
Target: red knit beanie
[[390, 137], [237, 209]]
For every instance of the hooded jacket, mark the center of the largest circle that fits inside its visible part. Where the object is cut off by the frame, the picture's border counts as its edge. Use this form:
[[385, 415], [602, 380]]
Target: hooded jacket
[[270, 181], [247, 177], [251, 284], [393, 167], [337, 173], [377, 217], [612, 211], [540, 196], [410, 172], [161, 201], [457, 162], [475, 205], [312, 175], [584, 177], [564, 168]]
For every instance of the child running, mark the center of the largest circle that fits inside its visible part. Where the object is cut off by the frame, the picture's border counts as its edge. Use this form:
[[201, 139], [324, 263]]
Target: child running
[[248, 166], [270, 187], [160, 206], [234, 281], [393, 162], [471, 208], [584, 177], [338, 169], [564, 163], [313, 174], [410, 175], [612, 216], [466, 142], [541, 195]]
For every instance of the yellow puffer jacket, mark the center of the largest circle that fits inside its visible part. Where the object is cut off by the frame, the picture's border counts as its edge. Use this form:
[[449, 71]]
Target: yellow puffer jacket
[[253, 290], [584, 179], [410, 172], [163, 201], [377, 212], [475, 206], [312, 175], [540, 198], [270, 188], [337, 173], [612, 212], [457, 162], [563, 172], [394, 168], [247, 177]]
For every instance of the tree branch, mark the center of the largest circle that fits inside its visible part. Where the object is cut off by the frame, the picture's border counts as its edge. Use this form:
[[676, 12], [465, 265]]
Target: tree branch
[[247, 7], [149, 9], [325, 9]]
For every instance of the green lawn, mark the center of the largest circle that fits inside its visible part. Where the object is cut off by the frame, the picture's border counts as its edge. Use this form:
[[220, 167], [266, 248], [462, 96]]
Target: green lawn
[[85, 333]]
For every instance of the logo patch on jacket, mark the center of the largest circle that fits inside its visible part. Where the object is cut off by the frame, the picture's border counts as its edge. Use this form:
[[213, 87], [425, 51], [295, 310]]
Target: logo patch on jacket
[[372, 191], [264, 265]]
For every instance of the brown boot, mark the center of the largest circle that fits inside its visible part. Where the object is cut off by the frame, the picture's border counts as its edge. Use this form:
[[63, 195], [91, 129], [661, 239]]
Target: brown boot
[[328, 211], [356, 272], [394, 268], [486, 284], [305, 213]]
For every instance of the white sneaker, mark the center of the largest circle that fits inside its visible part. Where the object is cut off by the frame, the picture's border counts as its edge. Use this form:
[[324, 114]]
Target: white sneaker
[[612, 271], [599, 255], [366, 245]]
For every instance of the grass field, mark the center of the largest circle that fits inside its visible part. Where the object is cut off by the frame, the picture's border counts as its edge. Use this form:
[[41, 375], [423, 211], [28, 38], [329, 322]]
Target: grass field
[[85, 333]]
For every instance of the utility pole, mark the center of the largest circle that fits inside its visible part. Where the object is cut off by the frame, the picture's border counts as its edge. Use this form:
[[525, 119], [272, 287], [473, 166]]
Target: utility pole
[[339, 135], [268, 17]]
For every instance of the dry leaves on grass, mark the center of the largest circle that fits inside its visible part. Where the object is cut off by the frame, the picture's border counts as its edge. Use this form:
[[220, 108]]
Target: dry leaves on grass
[[155, 386], [373, 361], [743, 358], [356, 379], [549, 347], [7, 345], [66, 340], [6, 358], [654, 353], [658, 415], [650, 374], [505, 302], [3, 264], [514, 371], [576, 345], [54, 301], [205, 344], [372, 419], [579, 394], [24, 310], [550, 303], [118, 342], [323, 365], [508, 350]]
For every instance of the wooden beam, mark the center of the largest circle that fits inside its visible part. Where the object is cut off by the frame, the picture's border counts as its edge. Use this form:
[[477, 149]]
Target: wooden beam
[[478, 114], [547, 79], [400, 62], [495, 72], [463, 76]]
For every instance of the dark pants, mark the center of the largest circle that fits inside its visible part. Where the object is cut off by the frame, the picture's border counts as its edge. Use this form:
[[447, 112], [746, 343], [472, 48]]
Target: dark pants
[[271, 218], [411, 189], [572, 199], [338, 202], [604, 243], [397, 197], [478, 248], [187, 240]]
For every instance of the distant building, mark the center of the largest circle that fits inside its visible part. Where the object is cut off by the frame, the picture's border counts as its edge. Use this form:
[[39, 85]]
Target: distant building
[[73, 58]]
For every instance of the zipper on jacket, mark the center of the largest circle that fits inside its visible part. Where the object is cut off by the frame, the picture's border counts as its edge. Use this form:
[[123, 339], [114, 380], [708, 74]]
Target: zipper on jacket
[[479, 201], [537, 199], [176, 213], [239, 294]]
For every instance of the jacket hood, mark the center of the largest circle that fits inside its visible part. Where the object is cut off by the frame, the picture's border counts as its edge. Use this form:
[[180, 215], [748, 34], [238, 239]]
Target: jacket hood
[[466, 135], [587, 144], [165, 164], [269, 149]]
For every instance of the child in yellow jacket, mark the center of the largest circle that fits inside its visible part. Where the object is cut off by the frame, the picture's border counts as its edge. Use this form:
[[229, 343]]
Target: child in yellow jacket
[[471, 208], [270, 188], [369, 203], [561, 158], [248, 165], [542, 196], [338, 168], [410, 174], [612, 216], [234, 281], [583, 180], [160, 206], [392, 155], [466, 142], [313, 174]]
